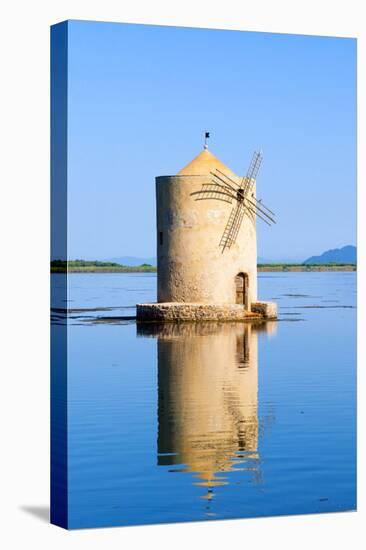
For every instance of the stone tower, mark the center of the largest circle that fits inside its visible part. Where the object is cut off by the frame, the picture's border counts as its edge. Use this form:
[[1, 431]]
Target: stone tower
[[191, 265], [196, 277]]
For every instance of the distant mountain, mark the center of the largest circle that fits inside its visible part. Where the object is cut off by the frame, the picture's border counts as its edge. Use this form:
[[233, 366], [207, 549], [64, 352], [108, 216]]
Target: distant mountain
[[132, 260], [345, 255]]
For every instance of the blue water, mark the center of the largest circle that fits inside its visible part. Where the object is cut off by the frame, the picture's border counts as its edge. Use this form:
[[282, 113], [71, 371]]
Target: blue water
[[202, 422]]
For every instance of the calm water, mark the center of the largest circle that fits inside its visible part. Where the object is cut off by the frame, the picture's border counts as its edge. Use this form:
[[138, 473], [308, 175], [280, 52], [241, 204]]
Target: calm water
[[209, 421]]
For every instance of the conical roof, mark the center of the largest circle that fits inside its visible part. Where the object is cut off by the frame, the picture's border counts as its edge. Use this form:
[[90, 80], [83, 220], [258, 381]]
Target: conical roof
[[203, 164]]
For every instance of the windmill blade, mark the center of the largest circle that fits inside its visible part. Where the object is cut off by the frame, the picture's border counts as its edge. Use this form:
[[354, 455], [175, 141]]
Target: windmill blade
[[253, 169], [223, 183], [234, 184], [251, 175], [215, 195], [239, 192], [255, 213], [232, 226], [214, 191], [214, 186], [252, 172], [254, 165], [247, 181], [263, 205], [257, 208]]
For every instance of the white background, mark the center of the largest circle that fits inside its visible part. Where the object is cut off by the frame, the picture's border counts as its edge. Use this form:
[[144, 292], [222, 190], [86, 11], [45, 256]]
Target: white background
[[24, 298]]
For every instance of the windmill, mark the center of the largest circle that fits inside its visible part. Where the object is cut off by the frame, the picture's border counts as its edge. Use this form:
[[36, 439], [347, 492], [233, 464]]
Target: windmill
[[224, 188]]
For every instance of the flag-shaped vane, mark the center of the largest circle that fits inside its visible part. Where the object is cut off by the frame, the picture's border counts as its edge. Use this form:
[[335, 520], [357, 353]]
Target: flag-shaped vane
[[207, 135]]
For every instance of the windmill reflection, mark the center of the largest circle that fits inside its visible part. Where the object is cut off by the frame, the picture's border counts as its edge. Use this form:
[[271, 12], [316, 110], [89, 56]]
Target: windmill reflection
[[208, 398]]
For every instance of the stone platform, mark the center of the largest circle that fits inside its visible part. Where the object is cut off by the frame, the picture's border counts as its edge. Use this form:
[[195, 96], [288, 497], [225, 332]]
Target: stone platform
[[175, 312]]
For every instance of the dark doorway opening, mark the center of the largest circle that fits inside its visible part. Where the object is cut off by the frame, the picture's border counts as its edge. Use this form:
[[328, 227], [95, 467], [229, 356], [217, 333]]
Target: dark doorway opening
[[241, 289]]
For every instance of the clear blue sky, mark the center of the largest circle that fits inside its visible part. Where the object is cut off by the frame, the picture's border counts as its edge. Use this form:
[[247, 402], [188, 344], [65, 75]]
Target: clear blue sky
[[140, 98]]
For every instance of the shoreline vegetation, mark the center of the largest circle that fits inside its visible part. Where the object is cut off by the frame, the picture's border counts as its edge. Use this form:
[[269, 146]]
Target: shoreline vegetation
[[84, 266]]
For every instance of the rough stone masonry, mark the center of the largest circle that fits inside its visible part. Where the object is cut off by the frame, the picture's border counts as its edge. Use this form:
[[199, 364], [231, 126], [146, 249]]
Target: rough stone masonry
[[197, 279]]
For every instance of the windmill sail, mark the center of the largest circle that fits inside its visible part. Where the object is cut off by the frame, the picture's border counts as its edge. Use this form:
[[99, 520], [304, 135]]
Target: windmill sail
[[225, 188], [213, 190], [247, 182], [232, 226]]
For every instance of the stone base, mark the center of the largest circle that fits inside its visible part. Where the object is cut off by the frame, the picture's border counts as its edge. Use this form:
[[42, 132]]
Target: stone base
[[174, 312], [267, 310]]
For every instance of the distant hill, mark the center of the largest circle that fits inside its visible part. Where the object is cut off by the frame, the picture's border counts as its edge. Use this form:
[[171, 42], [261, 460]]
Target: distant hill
[[132, 260], [345, 255]]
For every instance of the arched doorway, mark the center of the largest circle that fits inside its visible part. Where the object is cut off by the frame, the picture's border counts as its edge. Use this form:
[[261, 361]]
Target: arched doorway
[[241, 289]]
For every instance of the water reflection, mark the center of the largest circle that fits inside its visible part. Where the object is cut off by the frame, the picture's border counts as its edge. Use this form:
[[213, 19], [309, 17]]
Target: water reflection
[[208, 398], [299, 428]]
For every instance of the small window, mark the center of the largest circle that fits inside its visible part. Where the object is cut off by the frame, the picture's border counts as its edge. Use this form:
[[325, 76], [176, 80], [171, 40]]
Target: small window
[[160, 237]]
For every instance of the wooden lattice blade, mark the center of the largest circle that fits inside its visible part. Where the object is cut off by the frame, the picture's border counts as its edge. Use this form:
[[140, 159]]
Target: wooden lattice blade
[[232, 227], [263, 205], [257, 208], [224, 177], [252, 171], [214, 191]]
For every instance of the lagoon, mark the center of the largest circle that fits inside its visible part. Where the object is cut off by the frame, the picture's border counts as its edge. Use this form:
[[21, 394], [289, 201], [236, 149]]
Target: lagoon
[[208, 421]]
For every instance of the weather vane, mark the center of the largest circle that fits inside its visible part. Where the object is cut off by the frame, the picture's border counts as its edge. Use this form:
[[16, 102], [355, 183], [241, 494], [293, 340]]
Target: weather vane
[[207, 136]]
